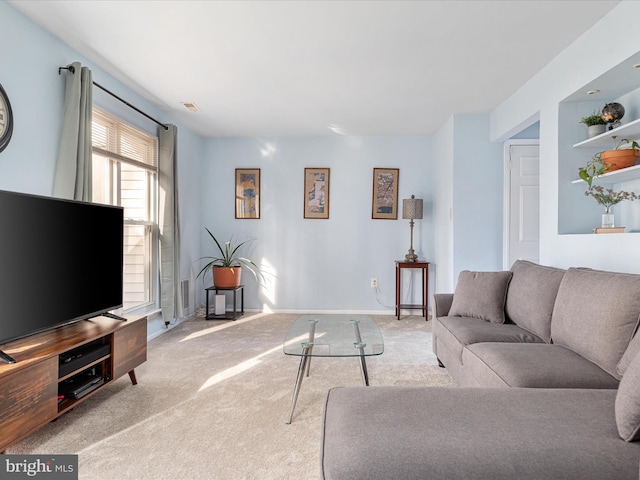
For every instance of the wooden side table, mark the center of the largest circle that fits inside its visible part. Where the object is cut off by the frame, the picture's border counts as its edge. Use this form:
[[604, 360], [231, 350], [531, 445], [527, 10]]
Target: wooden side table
[[424, 267]]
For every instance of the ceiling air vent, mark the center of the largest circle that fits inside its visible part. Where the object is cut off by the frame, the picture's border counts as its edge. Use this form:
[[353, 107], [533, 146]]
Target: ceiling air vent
[[192, 107]]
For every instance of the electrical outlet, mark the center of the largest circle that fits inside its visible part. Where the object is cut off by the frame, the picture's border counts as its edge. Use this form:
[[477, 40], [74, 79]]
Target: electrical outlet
[[374, 283]]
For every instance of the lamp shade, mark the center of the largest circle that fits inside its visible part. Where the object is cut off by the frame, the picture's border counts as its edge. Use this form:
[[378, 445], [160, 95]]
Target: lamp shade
[[412, 208]]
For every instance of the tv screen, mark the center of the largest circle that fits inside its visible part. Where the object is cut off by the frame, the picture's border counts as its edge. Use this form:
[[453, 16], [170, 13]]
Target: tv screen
[[60, 262]]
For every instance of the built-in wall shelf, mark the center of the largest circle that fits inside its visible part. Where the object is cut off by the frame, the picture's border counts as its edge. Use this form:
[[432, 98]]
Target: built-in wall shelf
[[629, 130], [578, 213], [617, 176]]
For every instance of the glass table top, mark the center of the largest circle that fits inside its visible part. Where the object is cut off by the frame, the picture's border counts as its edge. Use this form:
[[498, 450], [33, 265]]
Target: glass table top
[[333, 336]]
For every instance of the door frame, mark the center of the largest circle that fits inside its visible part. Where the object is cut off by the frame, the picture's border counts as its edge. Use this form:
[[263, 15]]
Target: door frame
[[506, 194]]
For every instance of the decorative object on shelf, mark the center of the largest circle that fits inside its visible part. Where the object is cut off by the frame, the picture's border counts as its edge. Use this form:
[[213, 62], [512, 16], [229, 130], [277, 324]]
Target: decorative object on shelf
[[6, 119], [385, 193], [608, 198], [248, 193], [316, 193], [608, 219], [608, 230], [612, 113], [412, 210], [227, 268], [596, 125]]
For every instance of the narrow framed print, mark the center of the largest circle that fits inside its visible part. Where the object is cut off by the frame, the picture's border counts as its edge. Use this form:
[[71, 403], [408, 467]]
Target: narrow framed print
[[316, 193], [385, 193], [247, 193]]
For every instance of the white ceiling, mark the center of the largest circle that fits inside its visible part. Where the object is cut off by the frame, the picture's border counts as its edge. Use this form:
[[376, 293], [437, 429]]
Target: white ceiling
[[279, 68]]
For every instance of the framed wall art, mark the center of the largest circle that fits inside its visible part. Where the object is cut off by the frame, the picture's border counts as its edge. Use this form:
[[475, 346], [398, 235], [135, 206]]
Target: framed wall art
[[247, 193], [385, 193], [316, 193]]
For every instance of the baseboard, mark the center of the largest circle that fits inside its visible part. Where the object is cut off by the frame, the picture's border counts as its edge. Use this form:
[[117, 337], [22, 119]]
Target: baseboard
[[325, 312], [340, 312]]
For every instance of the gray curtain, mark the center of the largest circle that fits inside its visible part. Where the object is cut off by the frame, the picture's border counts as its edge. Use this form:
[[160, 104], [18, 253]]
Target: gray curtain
[[73, 170], [169, 225]]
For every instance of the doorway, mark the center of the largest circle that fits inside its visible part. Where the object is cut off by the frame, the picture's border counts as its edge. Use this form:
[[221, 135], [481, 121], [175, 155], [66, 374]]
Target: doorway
[[521, 202]]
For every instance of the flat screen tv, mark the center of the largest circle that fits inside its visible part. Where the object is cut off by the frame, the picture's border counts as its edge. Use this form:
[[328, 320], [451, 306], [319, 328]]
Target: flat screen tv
[[60, 262]]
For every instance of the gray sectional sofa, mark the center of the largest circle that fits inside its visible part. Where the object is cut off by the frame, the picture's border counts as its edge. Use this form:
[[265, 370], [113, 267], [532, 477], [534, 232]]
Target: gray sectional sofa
[[536, 326], [561, 339]]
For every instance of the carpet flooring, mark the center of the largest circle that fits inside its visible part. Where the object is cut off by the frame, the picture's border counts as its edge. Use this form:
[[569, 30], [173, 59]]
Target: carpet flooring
[[212, 402]]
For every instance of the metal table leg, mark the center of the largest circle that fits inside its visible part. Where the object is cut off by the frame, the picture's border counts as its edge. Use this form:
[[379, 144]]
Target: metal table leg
[[312, 336], [360, 346], [304, 362]]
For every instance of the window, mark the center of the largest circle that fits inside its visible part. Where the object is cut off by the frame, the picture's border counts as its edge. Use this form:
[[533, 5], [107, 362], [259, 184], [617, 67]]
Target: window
[[125, 172]]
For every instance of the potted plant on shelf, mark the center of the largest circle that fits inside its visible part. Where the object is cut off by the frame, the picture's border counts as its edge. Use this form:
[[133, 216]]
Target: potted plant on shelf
[[596, 125], [227, 268], [610, 160], [625, 154]]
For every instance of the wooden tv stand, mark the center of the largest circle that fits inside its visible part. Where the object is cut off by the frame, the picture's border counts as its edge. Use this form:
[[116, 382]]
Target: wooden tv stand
[[30, 388]]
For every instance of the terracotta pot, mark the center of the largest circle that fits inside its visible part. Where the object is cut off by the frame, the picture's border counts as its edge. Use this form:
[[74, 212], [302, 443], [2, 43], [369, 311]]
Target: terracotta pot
[[617, 159], [227, 277]]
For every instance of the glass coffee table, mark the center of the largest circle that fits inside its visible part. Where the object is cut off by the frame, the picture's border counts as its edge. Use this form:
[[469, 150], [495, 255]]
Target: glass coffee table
[[331, 336]]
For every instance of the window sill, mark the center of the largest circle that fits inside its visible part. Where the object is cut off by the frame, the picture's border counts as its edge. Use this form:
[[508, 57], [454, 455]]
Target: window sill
[[147, 310]]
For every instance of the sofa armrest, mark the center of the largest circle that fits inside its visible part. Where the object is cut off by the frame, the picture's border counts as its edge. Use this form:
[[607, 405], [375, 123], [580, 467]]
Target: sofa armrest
[[442, 304]]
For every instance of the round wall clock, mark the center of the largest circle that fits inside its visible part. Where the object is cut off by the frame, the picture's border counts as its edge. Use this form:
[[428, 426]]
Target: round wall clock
[[6, 119]]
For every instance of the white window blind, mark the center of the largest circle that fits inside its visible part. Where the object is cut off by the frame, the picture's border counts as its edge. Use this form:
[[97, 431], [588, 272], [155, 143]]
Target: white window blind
[[114, 138]]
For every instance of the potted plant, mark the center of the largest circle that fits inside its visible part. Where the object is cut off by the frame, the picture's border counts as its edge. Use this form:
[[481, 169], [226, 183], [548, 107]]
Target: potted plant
[[611, 160], [596, 125], [227, 268], [625, 154]]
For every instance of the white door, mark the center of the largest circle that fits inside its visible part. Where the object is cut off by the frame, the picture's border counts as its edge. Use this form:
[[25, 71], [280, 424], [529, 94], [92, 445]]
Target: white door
[[523, 204]]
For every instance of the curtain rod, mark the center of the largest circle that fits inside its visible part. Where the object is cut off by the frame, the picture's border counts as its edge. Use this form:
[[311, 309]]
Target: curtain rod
[[73, 70]]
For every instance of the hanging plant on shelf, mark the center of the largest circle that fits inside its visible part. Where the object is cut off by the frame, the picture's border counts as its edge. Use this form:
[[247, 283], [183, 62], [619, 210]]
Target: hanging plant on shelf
[[592, 170]]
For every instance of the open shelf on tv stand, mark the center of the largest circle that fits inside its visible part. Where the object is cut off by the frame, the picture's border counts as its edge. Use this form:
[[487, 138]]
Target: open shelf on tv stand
[[56, 370]]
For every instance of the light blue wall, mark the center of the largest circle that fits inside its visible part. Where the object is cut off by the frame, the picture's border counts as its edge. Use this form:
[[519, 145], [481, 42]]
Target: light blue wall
[[468, 206], [443, 151], [320, 264], [478, 188], [529, 133], [29, 74]]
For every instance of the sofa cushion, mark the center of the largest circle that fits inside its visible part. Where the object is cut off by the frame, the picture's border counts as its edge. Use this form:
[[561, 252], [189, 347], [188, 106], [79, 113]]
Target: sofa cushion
[[531, 296], [473, 433], [629, 354], [458, 332], [535, 365], [596, 314], [628, 403], [481, 295]]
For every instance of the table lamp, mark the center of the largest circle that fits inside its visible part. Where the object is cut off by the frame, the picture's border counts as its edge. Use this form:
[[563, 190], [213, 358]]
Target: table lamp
[[412, 209]]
